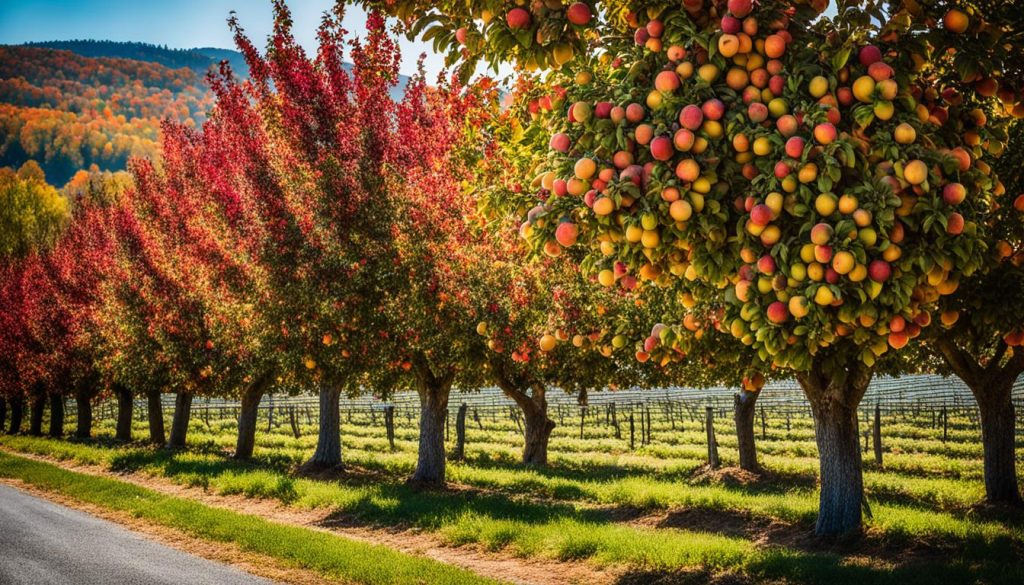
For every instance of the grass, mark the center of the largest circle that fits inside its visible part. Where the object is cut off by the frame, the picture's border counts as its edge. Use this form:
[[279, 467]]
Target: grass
[[324, 553], [602, 503]]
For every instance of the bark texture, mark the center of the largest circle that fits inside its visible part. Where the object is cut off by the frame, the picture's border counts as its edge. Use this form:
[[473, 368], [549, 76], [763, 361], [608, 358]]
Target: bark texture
[[17, 414], [38, 409], [433, 390], [182, 416], [156, 418], [328, 444], [834, 397], [56, 415], [531, 397], [744, 414], [83, 421], [247, 417], [992, 386], [125, 405]]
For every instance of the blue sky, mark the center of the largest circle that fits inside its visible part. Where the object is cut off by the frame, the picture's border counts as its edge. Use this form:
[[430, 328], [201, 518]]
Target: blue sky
[[175, 23]]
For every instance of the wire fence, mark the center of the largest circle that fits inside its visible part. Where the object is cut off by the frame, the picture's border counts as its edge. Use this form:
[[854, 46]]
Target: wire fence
[[906, 397]]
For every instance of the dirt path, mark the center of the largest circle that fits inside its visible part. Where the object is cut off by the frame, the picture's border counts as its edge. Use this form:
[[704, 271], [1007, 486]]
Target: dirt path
[[523, 571]]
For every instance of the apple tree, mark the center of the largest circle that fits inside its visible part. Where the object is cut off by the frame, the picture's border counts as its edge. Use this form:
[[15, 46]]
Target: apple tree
[[807, 164]]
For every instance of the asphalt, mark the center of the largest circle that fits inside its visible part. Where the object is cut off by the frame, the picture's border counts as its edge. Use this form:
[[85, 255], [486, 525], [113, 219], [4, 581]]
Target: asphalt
[[44, 543]]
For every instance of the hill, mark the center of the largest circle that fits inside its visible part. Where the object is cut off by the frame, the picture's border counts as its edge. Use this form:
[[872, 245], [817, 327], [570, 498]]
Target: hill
[[69, 105], [68, 112]]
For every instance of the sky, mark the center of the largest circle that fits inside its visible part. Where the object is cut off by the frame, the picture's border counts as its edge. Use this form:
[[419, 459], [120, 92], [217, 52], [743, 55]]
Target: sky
[[178, 24]]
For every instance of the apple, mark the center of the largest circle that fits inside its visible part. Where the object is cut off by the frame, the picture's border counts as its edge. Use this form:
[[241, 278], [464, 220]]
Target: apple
[[579, 14], [954, 224], [461, 34], [821, 234], [691, 117], [666, 81], [740, 8], [954, 193], [879, 270], [581, 112], [843, 262], [560, 142], [603, 110], [684, 140], [825, 133], [1018, 203], [713, 109], [655, 27], [635, 113], [794, 147], [548, 342], [757, 112], [916, 172], [956, 21], [518, 18], [680, 210], [869, 54], [880, 72], [778, 313], [904, 134], [766, 264], [761, 215], [731, 25]]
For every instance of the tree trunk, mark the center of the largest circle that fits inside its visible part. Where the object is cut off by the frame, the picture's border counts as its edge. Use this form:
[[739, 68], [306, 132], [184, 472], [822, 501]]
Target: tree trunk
[[156, 418], [83, 423], [17, 414], [124, 413], [430, 461], [247, 418], [538, 432], [56, 415], [998, 423], [179, 424], [38, 409], [3, 414], [744, 414], [834, 399], [328, 445], [992, 386]]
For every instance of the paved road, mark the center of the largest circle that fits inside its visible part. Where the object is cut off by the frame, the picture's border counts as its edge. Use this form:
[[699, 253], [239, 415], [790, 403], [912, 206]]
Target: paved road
[[44, 543]]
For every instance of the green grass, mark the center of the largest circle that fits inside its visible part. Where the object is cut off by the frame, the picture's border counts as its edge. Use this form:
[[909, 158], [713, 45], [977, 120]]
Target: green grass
[[583, 507], [324, 553]]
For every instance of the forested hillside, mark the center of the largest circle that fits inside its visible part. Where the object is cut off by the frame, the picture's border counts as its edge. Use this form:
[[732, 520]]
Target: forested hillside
[[67, 112], [69, 105]]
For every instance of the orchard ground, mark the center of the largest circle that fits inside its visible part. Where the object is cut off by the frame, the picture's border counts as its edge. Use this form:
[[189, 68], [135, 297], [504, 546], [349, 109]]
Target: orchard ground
[[601, 512]]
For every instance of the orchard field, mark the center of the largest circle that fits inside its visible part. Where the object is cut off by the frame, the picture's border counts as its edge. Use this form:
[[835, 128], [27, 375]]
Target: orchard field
[[604, 512]]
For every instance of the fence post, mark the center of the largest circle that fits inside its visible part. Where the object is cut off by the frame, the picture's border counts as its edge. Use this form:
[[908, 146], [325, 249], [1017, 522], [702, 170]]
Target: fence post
[[631, 432], [460, 432], [583, 418], [945, 423], [713, 461], [389, 424], [878, 434], [294, 422]]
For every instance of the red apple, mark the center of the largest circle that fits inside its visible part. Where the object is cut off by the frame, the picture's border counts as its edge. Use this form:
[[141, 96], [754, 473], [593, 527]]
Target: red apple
[[879, 270], [579, 14], [662, 149], [691, 117], [517, 18], [954, 193], [761, 215], [778, 312]]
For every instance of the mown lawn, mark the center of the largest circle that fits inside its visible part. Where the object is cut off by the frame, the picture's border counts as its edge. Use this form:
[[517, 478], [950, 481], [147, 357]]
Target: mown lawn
[[651, 509]]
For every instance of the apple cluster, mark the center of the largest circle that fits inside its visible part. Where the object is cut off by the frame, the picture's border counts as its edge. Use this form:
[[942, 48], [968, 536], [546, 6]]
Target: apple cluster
[[806, 176]]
